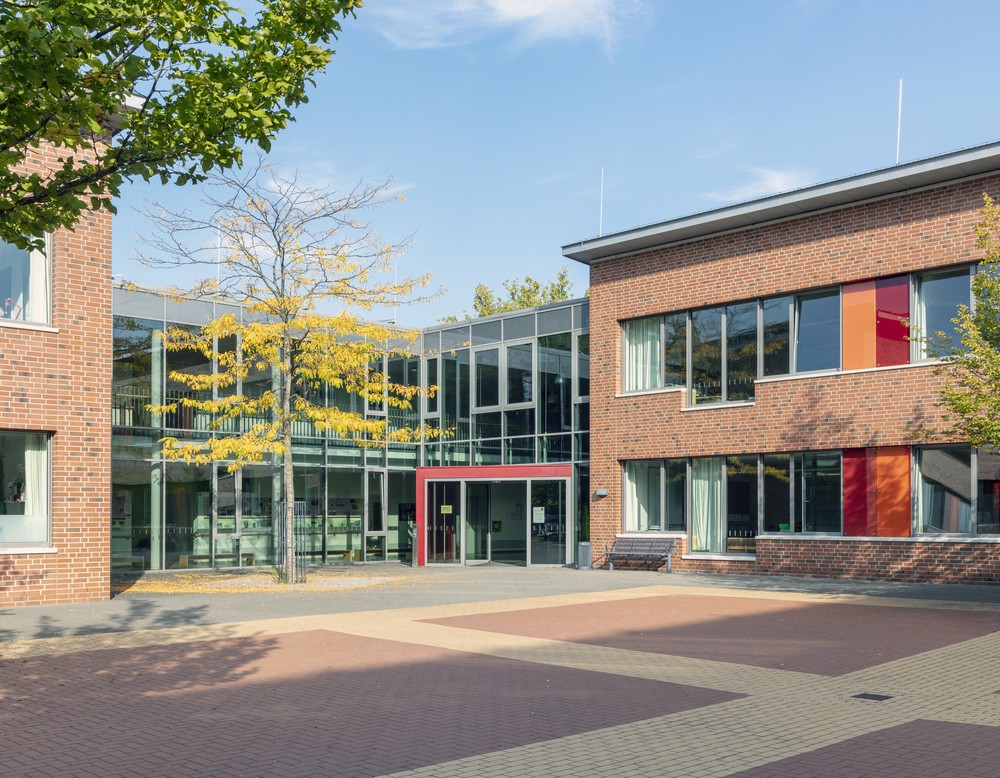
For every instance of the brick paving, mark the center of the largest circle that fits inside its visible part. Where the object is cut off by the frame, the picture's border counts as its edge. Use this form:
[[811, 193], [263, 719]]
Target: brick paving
[[658, 679]]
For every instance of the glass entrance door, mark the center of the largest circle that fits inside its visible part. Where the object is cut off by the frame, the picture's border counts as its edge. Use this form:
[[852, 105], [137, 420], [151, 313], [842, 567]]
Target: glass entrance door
[[477, 523], [509, 522], [548, 522], [443, 517]]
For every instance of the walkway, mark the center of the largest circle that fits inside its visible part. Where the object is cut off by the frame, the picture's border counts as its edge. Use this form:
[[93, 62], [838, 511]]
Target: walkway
[[425, 673]]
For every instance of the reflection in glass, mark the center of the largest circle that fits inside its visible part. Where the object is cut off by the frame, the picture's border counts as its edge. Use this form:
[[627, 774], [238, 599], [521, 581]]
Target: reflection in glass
[[583, 365], [741, 504], [741, 351], [777, 493], [555, 378], [939, 295], [776, 337], [818, 491], [988, 514], [945, 489], [675, 350], [519, 373], [817, 341], [706, 355], [487, 377]]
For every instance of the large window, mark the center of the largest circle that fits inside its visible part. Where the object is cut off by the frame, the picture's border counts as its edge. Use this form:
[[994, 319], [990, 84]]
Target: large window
[[656, 496], [719, 353], [938, 296], [24, 285], [727, 501], [24, 478], [958, 491]]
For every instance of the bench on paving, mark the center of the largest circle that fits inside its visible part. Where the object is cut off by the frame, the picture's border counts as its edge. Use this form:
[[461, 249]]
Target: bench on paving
[[641, 549]]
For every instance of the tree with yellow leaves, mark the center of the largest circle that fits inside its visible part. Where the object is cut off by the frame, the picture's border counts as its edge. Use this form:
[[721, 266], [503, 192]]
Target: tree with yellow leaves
[[285, 252]]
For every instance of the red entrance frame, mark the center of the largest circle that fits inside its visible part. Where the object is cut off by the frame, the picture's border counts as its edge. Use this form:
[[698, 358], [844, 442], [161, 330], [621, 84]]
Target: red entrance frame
[[474, 473]]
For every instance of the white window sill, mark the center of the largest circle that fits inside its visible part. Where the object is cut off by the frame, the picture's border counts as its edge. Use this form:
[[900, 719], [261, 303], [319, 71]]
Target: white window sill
[[643, 392], [706, 556], [24, 550], [26, 325], [718, 406]]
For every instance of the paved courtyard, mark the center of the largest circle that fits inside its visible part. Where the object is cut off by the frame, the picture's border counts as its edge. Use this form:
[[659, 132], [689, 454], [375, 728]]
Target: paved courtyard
[[505, 672]]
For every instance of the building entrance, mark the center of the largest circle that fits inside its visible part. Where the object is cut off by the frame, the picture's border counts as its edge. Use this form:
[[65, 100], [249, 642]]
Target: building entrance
[[503, 521]]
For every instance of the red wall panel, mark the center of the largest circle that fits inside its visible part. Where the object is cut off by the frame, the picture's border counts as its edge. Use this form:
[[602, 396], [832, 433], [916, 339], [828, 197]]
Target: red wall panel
[[892, 306]]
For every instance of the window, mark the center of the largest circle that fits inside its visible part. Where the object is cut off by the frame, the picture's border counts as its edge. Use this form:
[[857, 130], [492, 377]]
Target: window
[[938, 296], [817, 332], [642, 354], [519, 373], [24, 478], [656, 496], [706, 355], [958, 491], [775, 341], [818, 492], [24, 285], [487, 378]]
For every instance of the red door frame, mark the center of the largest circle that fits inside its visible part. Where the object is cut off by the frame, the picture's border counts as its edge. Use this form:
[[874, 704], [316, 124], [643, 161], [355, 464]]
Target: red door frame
[[474, 473]]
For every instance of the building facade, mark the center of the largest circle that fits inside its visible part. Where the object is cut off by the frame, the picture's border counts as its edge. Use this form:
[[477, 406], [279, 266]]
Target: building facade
[[764, 392], [501, 484], [55, 440]]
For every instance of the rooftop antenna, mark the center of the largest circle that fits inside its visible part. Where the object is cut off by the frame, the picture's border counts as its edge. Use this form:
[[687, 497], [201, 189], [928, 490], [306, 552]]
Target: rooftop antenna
[[600, 219], [899, 119]]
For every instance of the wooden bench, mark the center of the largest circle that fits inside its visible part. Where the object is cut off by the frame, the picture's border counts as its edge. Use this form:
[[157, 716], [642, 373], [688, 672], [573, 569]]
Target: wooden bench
[[641, 549]]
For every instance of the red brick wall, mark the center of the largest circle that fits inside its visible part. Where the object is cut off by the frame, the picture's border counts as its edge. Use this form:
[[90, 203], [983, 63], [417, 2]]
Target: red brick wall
[[907, 233], [60, 382], [917, 561]]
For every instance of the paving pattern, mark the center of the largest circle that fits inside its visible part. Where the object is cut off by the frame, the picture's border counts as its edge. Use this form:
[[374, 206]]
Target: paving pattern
[[654, 680]]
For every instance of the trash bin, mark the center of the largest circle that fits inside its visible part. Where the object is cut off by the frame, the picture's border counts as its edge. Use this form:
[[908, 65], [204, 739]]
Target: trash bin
[[584, 560]]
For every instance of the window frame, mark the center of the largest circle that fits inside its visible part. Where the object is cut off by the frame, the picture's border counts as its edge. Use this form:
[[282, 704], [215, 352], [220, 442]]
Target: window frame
[[918, 339], [46, 542], [45, 257]]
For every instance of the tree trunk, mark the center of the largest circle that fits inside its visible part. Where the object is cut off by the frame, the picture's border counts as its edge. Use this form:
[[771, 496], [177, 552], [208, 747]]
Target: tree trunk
[[288, 473]]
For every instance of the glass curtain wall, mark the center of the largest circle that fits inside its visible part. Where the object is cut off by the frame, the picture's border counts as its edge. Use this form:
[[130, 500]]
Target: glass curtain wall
[[171, 515]]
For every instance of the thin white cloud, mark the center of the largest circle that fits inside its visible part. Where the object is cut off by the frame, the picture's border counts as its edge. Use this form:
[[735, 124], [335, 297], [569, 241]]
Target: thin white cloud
[[765, 181], [411, 25]]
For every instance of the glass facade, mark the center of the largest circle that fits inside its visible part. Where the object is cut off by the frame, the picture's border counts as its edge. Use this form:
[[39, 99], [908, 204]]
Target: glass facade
[[502, 393]]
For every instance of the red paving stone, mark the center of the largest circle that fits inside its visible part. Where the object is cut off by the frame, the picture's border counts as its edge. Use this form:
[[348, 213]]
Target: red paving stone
[[919, 749], [825, 639], [305, 704]]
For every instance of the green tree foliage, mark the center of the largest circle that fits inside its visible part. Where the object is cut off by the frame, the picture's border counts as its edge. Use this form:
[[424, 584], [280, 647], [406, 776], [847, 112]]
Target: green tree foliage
[[528, 293], [283, 250], [151, 89], [971, 396]]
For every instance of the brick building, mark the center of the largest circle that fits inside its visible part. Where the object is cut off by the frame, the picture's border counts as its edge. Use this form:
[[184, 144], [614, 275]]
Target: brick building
[[55, 451], [754, 385]]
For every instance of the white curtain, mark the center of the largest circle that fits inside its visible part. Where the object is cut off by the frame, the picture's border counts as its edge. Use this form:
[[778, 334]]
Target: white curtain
[[708, 527], [642, 354], [642, 497], [37, 304], [36, 475]]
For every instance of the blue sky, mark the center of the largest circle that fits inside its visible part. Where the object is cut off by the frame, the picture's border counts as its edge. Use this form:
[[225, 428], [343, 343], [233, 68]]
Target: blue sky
[[495, 117]]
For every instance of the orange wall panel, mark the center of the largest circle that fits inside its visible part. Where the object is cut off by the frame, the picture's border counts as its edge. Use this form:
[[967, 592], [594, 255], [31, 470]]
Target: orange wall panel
[[858, 302], [893, 501]]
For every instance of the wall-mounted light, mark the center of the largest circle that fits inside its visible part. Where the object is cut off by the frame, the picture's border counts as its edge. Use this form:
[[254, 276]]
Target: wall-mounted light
[[599, 493]]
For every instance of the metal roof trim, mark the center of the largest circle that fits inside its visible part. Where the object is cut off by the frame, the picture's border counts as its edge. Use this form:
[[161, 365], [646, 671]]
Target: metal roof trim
[[898, 179]]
